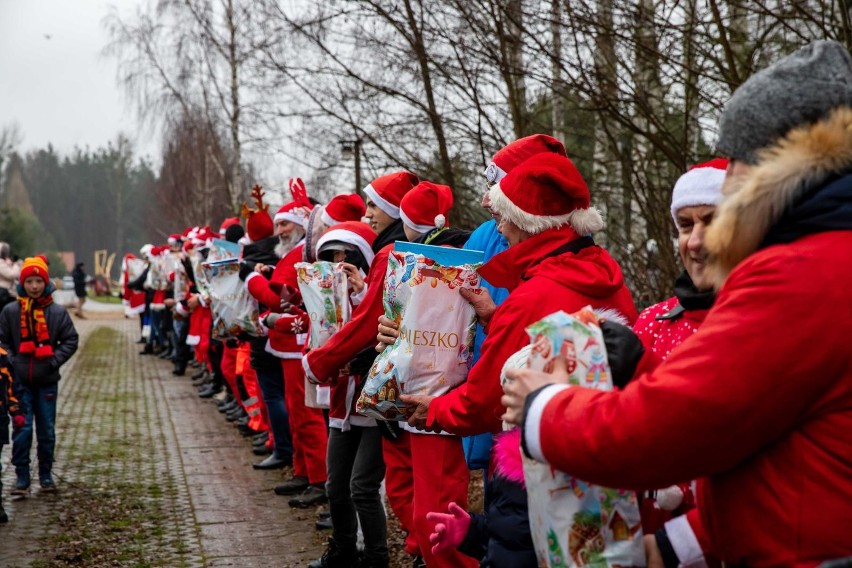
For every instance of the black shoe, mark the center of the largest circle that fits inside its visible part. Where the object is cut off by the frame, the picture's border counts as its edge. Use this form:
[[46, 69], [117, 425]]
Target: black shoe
[[324, 524], [201, 379], [195, 364], [198, 374], [292, 486], [246, 430], [228, 406], [4, 518], [179, 371], [46, 482], [236, 414], [22, 485], [224, 401], [209, 391], [323, 513], [259, 443], [272, 462], [261, 438], [336, 557], [313, 495], [261, 450], [242, 422]]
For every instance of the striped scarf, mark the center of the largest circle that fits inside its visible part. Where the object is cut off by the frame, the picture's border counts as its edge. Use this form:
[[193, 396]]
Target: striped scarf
[[35, 338]]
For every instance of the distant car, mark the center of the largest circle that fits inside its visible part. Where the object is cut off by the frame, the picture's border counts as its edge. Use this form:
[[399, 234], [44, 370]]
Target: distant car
[[67, 283]]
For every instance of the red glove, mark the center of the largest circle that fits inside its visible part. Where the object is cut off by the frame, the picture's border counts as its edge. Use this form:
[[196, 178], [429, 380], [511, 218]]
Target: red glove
[[450, 529], [19, 421]]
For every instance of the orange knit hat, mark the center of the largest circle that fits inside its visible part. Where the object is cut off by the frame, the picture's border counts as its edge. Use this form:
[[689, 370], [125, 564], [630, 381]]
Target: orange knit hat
[[35, 266]]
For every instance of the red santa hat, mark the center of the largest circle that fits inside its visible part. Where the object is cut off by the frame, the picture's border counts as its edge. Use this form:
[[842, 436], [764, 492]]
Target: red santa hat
[[354, 233], [387, 191], [259, 225], [175, 239], [229, 222], [347, 207], [545, 192], [201, 236], [519, 151], [426, 206], [296, 211], [700, 185]]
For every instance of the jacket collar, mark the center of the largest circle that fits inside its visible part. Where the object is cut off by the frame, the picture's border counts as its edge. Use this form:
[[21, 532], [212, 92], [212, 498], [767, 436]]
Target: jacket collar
[[800, 166], [507, 269]]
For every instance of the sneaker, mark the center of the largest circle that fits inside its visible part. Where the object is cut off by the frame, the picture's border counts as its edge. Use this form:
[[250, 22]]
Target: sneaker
[[292, 486], [22, 485], [46, 483], [313, 495]]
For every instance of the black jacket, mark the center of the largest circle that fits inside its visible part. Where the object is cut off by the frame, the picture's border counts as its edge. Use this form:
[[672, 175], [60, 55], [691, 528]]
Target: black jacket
[[63, 339], [8, 399]]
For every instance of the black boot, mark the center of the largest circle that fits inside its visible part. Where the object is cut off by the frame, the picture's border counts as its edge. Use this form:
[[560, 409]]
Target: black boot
[[336, 556]]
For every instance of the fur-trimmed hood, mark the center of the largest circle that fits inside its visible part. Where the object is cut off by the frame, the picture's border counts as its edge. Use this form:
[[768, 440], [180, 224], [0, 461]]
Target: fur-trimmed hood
[[754, 202]]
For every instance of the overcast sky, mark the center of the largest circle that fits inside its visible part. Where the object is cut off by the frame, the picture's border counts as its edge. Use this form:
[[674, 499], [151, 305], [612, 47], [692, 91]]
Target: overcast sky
[[54, 83]]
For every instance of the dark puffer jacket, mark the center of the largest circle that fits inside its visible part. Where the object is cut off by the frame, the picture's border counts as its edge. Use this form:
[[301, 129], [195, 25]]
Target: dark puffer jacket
[[63, 339]]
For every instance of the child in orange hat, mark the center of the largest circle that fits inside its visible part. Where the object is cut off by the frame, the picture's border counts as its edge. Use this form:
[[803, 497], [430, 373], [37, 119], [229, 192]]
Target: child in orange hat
[[40, 338]]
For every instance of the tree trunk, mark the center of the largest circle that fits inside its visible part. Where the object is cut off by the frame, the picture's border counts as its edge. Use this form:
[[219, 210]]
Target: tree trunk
[[557, 89], [236, 189]]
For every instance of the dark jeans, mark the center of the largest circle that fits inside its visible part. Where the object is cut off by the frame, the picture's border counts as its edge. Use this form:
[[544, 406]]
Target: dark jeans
[[155, 339], [271, 383], [39, 406], [183, 353], [355, 472]]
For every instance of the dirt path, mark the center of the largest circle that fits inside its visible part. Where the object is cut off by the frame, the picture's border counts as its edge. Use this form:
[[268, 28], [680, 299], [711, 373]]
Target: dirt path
[[148, 474]]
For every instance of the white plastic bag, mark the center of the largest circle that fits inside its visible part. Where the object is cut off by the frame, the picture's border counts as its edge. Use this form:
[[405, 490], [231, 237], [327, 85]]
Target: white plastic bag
[[234, 310], [325, 293], [437, 327], [575, 523]]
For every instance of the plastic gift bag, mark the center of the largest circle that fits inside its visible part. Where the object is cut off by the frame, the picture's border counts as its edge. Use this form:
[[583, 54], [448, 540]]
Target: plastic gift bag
[[576, 523], [437, 327], [234, 310], [222, 250], [325, 293]]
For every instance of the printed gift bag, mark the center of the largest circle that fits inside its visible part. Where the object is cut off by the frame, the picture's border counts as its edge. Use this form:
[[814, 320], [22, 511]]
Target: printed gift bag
[[437, 327], [325, 293], [576, 523], [234, 310]]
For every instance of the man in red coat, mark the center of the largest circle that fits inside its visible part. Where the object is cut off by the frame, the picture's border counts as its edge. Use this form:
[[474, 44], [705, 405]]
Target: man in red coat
[[543, 209], [759, 401]]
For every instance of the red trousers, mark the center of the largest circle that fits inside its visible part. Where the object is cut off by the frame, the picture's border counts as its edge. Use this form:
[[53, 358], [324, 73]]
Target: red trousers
[[399, 485], [255, 407], [307, 426], [440, 476], [229, 369]]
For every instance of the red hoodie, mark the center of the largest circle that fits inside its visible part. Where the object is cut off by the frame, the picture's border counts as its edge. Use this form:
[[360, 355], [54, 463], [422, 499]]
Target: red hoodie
[[539, 285]]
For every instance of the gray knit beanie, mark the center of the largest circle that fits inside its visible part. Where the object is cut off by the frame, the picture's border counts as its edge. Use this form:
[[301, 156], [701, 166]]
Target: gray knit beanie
[[801, 88]]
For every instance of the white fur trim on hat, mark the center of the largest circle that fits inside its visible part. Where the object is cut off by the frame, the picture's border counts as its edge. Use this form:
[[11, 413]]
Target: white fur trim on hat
[[327, 219], [698, 186], [289, 216], [583, 221], [412, 225], [348, 237], [386, 206]]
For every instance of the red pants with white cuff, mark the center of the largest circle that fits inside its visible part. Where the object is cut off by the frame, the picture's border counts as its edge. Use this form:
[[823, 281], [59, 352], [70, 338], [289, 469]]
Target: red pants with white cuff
[[441, 475], [307, 425], [399, 486]]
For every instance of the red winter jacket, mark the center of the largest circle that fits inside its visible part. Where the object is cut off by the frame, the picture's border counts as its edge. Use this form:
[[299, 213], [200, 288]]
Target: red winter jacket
[[359, 333], [759, 401], [539, 285], [288, 338]]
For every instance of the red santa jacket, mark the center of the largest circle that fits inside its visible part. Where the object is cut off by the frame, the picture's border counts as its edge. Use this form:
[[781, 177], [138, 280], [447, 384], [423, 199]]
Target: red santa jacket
[[539, 285], [661, 328], [759, 401], [288, 338], [359, 333]]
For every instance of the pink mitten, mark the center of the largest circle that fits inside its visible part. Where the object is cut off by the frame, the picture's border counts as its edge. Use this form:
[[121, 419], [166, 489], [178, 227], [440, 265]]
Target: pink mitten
[[19, 421], [450, 529]]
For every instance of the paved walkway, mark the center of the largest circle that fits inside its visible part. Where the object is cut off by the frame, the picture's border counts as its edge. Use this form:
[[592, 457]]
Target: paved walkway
[[148, 474]]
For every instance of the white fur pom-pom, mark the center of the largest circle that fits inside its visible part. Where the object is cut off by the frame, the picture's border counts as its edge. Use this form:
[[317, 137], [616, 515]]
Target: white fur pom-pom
[[440, 220], [670, 498]]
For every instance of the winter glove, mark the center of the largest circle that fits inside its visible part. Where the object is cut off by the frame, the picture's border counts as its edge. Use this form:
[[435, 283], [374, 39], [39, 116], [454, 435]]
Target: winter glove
[[670, 498], [624, 350], [19, 421], [450, 529]]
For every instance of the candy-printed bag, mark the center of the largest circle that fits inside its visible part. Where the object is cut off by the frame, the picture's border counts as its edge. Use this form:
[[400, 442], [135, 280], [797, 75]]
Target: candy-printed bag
[[576, 523], [325, 293], [234, 310], [437, 327]]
